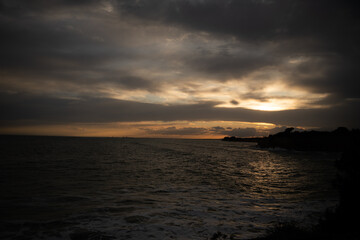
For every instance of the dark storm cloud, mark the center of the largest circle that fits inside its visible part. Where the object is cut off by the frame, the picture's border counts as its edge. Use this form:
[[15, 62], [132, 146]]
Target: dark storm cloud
[[255, 19], [338, 75], [234, 102], [177, 131], [11, 7], [52, 44], [39, 49], [226, 66], [20, 109], [217, 129], [238, 132], [326, 31]]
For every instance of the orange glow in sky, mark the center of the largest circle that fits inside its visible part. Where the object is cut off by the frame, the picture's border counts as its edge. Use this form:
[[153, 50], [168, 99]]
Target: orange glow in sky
[[149, 129]]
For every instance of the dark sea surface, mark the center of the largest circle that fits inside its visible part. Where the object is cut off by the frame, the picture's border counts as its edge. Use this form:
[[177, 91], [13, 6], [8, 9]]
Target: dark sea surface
[[120, 188]]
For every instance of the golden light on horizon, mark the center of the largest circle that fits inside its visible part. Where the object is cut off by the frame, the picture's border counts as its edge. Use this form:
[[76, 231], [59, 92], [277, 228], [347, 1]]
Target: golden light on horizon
[[146, 129]]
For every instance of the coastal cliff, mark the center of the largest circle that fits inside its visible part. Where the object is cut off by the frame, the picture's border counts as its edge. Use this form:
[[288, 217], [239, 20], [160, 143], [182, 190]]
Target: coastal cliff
[[334, 141]]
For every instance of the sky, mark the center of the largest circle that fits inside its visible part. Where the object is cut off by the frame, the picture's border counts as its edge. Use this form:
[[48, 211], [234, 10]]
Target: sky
[[178, 68]]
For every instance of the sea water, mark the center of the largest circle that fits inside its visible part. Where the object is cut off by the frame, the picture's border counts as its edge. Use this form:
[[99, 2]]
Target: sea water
[[124, 188]]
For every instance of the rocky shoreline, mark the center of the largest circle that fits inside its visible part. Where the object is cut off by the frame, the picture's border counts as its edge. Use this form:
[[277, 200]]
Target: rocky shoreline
[[334, 141], [340, 223]]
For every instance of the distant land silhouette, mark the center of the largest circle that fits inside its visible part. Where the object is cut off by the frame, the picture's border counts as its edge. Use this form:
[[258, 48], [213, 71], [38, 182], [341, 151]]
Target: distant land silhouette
[[334, 141]]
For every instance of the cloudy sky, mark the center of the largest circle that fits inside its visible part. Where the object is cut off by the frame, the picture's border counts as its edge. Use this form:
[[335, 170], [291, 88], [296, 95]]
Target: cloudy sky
[[178, 68]]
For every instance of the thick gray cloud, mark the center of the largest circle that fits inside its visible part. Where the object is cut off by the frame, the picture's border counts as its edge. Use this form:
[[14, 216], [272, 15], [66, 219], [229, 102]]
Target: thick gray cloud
[[326, 31], [60, 59], [238, 132], [63, 48], [256, 20], [20, 109], [177, 131]]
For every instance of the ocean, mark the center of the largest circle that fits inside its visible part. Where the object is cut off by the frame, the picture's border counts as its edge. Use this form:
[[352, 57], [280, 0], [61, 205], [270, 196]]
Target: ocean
[[129, 188]]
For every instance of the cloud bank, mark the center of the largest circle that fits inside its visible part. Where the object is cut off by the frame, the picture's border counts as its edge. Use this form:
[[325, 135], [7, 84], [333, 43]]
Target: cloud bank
[[189, 60]]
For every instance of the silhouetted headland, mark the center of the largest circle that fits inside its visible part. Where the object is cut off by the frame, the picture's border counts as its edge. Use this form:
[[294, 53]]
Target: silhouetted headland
[[334, 141]]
